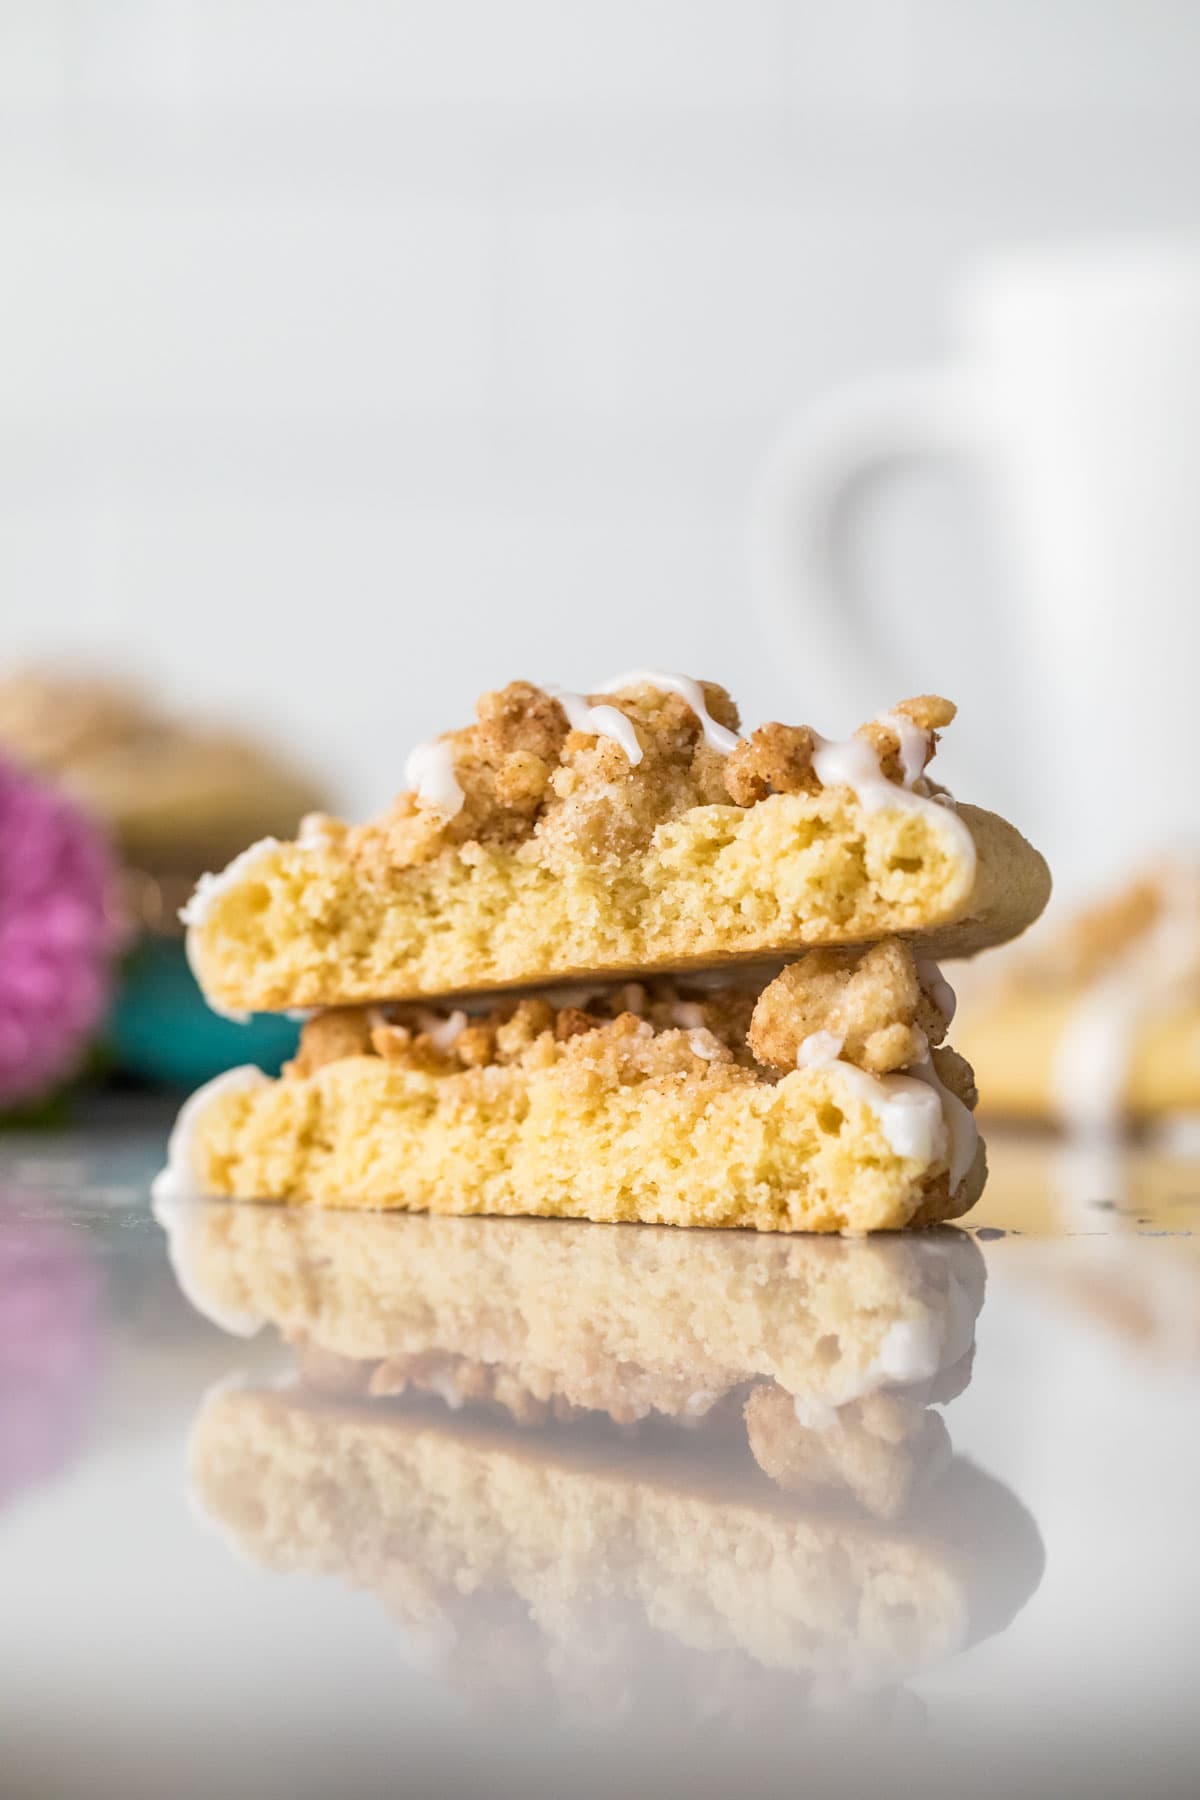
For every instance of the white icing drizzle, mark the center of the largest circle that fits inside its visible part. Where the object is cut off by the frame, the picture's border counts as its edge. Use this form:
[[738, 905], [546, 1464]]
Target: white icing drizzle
[[819, 1048], [854, 763], [935, 1335], [688, 1015], [443, 1032], [909, 1112], [814, 1414], [918, 1116], [913, 742], [915, 1350], [716, 735], [908, 1109], [1091, 1062], [704, 1045], [960, 1120], [430, 770], [599, 721], [911, 1350], [938, 988]]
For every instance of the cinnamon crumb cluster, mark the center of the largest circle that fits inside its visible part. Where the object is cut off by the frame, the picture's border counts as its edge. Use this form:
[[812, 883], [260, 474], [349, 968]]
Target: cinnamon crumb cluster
[[872, 1001], [628, 1032], [524, 771]]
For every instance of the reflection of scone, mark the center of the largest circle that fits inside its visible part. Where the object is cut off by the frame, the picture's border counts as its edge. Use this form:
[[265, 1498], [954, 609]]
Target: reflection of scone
[[1098, 1022], [826, 1318], [718, 1565], [816, 1110], [565, 836], [578, 1539], [174, 795], [575, 1320], [877, 1449]]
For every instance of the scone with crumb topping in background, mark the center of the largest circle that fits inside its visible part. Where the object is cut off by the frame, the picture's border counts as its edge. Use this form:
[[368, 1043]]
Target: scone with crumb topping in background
[[1096, 1023], [565, 836], [817, 1104], [175, 793]]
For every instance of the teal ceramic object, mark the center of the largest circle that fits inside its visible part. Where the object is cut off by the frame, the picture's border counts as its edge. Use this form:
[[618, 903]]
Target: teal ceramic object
[[162, 1030]]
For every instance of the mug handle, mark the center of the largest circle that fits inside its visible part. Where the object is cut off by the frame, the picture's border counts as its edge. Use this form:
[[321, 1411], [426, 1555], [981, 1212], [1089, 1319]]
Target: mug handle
[[819, 469]]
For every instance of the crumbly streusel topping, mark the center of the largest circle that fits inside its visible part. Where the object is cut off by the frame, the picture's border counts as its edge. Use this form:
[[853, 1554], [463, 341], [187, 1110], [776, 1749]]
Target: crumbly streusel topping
[[871, 999], [1148, 930], [623, 1033], [524, 772], [874, 1000]]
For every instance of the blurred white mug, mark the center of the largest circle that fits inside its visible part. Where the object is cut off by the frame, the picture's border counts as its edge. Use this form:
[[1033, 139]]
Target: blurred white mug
[[1076, 390]]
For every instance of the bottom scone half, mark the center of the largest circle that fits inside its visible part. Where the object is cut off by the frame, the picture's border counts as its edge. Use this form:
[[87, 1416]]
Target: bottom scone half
[[816, 1104]]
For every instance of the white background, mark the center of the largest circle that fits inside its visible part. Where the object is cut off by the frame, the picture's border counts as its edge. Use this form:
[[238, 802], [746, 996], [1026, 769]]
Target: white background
[[359, 354]]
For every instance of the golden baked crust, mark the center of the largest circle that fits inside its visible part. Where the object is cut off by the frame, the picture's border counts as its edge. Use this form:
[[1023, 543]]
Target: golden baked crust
[[564, 858], [421, 1511], [572, 1112]]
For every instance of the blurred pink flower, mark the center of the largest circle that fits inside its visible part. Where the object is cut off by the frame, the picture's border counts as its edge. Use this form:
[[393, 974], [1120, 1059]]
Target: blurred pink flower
[[58, 934]]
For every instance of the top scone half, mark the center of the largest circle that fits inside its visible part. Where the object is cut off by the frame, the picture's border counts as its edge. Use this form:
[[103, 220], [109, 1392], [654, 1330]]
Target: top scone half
[[630, 830]]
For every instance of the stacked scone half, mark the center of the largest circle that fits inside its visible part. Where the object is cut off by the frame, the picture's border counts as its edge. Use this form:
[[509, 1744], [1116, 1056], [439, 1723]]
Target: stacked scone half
[[606, 958]]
